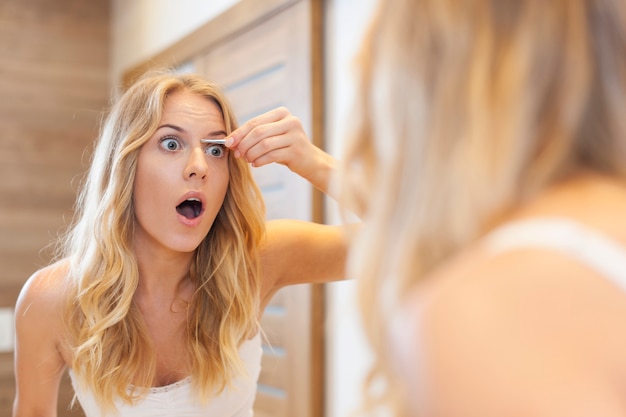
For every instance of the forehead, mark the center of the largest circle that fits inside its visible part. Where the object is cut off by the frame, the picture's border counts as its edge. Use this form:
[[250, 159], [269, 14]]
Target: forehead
[[190, 106]]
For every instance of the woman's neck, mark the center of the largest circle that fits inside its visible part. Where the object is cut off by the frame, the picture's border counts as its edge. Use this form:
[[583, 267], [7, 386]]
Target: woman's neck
[[162, 275]]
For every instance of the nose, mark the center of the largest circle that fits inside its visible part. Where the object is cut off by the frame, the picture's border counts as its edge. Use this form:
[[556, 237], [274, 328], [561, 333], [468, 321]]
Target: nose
[[196, 165]]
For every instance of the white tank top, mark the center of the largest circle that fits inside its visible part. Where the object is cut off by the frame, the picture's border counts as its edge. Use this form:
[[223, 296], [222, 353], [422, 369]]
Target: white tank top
[[178, 399], [570, 238]]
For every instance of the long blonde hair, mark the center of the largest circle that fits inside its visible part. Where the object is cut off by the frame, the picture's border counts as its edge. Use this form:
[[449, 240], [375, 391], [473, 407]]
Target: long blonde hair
[[466, 109], [106, 333]]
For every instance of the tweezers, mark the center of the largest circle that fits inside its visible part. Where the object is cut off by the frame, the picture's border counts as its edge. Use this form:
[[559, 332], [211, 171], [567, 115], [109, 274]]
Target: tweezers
[[214, 141]]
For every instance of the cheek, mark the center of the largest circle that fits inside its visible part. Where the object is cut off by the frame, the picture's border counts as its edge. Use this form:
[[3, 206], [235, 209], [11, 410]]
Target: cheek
[[218, 186], [150, 189], [218, 172]]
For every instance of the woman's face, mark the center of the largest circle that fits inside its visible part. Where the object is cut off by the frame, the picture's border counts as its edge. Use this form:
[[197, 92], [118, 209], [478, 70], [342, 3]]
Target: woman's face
[[180, 182]]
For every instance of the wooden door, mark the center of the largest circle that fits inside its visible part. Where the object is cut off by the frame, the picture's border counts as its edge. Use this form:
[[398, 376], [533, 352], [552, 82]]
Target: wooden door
[[267, 66]]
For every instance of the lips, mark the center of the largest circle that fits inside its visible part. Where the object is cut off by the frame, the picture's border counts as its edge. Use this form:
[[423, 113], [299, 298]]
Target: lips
[[191, 206]]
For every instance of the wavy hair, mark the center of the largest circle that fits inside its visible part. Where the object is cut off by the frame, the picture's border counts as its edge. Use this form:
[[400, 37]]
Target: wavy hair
[[107, 336], [482, 105]]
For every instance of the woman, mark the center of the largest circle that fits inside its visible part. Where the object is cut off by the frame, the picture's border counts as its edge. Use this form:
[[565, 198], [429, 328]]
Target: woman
[[489, 162], [155, 305]]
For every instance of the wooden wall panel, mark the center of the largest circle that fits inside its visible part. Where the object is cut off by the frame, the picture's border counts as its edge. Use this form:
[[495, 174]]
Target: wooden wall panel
[[54, 85]]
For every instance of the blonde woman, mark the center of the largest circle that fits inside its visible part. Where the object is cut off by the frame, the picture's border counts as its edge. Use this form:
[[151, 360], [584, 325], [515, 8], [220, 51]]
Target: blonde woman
[[489, 162], [155, 306]]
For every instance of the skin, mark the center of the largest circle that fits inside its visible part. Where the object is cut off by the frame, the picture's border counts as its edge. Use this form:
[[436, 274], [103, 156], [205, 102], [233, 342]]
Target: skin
[[172, 164], [524, 332]]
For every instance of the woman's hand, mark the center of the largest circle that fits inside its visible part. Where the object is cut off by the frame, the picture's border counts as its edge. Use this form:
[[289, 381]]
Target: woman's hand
[[278, 136]]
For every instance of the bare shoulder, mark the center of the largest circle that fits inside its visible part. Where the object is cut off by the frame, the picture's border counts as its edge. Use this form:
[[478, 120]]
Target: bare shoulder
[[44, 289], [40, 302], [40, 352], [526, 330]]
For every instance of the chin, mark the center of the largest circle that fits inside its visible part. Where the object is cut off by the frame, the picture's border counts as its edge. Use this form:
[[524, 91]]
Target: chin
[[185, 245]]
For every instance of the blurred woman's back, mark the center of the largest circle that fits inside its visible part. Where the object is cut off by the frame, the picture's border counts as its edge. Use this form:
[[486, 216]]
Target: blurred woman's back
[[494, 114]]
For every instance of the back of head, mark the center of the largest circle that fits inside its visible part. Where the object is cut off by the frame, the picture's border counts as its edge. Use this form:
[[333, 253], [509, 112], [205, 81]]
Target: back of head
[[466, 110]]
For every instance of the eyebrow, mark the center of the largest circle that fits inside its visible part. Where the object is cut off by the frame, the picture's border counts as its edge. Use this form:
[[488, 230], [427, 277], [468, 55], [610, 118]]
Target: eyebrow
[[176, 128], [181, 130]]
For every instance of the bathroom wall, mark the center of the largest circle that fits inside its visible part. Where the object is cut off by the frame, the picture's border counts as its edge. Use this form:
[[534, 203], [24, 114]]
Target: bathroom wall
[[54, 85], [347, 354], [142, 28]]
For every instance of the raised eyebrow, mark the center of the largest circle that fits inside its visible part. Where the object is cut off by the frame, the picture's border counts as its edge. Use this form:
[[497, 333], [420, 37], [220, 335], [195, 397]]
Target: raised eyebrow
[[174, 127], [216, 134]]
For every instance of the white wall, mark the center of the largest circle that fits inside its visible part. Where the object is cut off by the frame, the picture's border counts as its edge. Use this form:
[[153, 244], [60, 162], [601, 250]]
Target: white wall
[[142, 28], [346, 352]]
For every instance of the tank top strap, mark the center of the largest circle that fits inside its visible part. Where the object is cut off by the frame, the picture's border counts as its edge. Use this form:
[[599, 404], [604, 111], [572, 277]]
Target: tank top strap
[[571, 238]]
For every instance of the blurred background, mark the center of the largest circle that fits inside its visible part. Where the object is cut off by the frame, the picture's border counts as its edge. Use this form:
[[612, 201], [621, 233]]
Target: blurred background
[[63, 61]]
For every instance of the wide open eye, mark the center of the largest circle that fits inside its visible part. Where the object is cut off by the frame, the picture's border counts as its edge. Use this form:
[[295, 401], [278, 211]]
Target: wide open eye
[[170, 143], [216, 151]]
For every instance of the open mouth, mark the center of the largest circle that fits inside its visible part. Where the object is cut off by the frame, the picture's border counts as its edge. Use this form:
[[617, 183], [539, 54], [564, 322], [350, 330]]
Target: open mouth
[[190, 208]]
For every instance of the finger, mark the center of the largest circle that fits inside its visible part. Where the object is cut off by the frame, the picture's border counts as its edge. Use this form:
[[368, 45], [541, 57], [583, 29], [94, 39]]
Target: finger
[[265, 147], [253, 124], [275, 156], [265, 136]]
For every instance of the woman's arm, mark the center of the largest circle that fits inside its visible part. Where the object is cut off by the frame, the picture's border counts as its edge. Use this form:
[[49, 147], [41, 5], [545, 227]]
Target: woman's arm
[[39, 364], [297, 252]]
